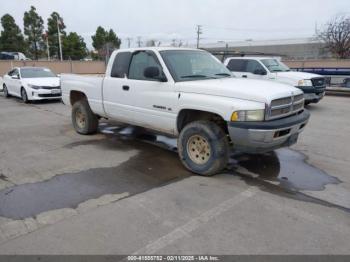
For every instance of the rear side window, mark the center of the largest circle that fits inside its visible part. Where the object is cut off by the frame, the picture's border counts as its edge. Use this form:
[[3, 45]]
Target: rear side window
[[237, 65], [121, 65]]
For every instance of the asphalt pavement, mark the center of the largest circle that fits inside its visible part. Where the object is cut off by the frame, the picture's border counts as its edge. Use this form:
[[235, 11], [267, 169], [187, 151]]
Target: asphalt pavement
[[124, 190]]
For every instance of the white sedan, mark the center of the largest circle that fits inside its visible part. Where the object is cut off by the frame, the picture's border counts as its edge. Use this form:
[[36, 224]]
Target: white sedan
[[32, 83]]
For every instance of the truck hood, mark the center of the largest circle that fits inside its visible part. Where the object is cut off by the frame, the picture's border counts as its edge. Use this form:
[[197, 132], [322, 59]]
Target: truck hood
[[296, 75], [246, 89], [42, 81]]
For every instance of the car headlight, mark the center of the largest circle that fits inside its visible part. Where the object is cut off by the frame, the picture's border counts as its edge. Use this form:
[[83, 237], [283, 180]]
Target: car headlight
[[34, 86], [304, 82], [248, 115]]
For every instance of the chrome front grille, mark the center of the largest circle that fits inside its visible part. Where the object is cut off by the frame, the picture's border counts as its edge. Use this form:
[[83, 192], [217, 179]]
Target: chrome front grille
[[285, 106]]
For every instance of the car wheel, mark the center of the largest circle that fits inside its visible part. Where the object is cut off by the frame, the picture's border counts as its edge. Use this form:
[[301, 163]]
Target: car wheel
[[6, 92], [24, 96], [203, 148], [85, 122]]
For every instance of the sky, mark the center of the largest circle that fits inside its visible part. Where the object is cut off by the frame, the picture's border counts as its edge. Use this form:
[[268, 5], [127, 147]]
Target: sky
[[165, 20]]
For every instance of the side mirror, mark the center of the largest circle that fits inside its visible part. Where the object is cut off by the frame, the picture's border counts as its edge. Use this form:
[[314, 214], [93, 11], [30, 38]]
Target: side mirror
[[260, 72], [15, 77], [153, 72]]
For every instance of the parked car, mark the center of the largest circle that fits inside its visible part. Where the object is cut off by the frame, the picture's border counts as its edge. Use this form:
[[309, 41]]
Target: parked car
[[12, 56], [189, 94], [270, 68], [32, 83]]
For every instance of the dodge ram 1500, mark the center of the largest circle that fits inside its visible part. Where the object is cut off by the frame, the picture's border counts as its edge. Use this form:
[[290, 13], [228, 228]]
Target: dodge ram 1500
[[191, 95]]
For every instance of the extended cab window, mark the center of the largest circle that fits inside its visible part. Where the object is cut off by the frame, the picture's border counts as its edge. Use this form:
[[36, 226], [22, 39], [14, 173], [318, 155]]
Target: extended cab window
[[254, 67], [237, 65], [121, 65], [139, 62]]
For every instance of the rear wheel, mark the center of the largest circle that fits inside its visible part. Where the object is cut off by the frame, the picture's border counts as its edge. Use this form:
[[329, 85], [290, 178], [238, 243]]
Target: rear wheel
[[24, 96], [203, 148], [85, 122], [6, 92]]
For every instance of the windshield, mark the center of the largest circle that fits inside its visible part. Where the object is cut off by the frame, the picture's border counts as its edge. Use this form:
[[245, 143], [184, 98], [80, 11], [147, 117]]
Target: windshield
[[187, 65], [36, 73], [275, 66]]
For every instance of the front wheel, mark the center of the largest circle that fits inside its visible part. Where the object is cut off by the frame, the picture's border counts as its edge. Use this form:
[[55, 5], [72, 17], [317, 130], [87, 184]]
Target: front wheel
[[85, 122], [24, 96], [203, 148]]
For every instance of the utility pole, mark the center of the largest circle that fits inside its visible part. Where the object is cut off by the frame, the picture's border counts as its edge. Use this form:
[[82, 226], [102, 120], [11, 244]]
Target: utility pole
[[129, 41], [59, 37], [46, 36], [139, 42], [199, 32]]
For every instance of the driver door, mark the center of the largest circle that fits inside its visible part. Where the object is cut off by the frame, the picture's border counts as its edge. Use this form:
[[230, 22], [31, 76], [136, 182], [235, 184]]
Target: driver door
[[153, 102]]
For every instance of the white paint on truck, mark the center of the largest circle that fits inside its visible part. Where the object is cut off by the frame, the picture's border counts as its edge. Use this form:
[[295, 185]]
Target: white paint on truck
[[189, 94]]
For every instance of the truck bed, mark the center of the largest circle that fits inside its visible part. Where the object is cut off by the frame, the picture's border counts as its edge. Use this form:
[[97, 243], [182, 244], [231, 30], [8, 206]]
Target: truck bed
[[89, 85]]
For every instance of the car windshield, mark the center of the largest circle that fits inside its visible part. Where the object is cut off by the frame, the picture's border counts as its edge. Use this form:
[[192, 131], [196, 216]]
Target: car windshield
[[36, 73], [189, 65], [275, 66]]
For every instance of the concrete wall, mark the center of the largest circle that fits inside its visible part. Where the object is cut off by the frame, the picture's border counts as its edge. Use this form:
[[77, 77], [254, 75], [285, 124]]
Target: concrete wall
[[98, 67], [76, 67]]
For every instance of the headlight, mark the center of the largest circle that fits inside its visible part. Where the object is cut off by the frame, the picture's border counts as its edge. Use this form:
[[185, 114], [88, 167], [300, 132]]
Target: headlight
[[248, 115], [34, 87], [304, 82]]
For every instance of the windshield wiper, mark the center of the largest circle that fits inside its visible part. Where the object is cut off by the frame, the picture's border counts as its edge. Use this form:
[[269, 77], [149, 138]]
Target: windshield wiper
[[196, 76], [223, 74]]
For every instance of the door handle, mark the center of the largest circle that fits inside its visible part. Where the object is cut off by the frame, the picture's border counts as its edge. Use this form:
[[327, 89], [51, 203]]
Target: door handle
[[126, 88], [244, 76]]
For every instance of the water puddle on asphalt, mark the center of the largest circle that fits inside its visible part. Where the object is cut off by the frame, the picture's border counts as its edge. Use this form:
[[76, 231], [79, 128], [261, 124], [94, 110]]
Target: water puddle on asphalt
[[152, 167], [284, 167]]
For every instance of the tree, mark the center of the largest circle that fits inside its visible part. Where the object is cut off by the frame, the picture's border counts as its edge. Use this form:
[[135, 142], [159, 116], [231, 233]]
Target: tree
[[113, 39], [336, 36], [11, 38], [105, 42], [52, 22], [33, 29], [74, 47], [99, 39]]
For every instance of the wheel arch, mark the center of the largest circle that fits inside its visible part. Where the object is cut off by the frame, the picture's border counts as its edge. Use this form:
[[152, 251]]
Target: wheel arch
[[76, 95], [186, 116]]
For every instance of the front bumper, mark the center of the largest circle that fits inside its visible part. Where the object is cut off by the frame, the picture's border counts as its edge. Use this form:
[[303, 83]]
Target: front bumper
[[312, 94], [41, 94], [259, 137], [313, 97]]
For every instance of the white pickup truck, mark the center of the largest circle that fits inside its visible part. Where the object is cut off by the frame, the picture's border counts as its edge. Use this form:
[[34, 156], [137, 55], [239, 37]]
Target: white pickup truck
[[270, 68], [189, 94]]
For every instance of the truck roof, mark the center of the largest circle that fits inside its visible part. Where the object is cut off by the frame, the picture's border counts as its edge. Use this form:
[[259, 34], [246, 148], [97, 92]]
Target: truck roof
[[254, 57], [157, 49]]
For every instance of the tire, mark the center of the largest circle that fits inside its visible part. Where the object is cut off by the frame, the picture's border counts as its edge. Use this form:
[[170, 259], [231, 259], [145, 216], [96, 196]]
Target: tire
[[85, 122], [6, 92], [203, 148], [24, 96]]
